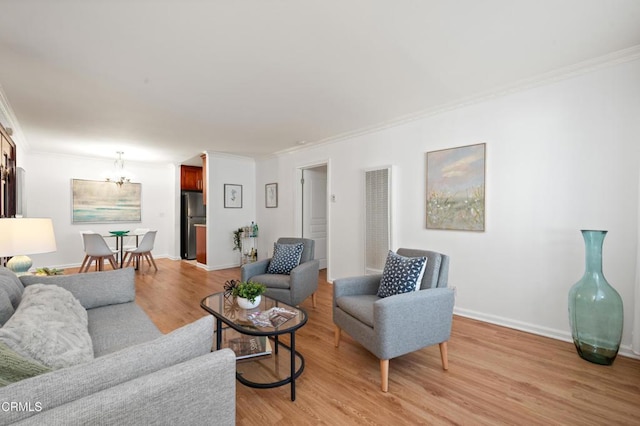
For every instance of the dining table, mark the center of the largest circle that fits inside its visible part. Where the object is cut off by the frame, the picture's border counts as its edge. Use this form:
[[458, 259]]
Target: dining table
[[119, 236]]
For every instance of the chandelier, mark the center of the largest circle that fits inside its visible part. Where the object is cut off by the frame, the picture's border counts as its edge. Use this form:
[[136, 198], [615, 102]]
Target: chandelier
[[119, 176]]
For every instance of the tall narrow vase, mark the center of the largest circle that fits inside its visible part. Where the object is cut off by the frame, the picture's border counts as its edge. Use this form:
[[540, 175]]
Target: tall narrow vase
[[595, 308]]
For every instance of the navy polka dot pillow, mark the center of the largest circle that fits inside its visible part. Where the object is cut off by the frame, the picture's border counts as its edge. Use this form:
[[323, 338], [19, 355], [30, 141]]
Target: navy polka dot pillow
[[401, 274], [285, 258]]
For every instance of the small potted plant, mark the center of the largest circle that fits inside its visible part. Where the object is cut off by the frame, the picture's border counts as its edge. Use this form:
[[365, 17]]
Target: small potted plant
[[248, 294]]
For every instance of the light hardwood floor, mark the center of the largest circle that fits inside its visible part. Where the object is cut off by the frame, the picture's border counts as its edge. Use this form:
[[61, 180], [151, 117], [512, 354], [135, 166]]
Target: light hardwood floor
[[496, 375]]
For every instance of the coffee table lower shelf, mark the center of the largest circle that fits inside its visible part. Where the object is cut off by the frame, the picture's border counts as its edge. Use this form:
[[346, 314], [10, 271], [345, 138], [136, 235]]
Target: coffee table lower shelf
[[282, 367], [265, 372]]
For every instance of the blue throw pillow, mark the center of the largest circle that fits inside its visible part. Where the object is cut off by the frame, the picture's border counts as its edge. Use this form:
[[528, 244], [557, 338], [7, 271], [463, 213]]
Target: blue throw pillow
[[401, 274], [285, 258]]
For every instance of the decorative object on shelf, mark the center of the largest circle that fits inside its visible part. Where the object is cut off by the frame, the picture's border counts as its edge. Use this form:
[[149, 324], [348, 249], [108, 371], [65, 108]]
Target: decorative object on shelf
[[455, 188], [271, 195], [247, 238], [120, 176], [232, 196], [248, 294], [22, 236], [102, 202], [595, 308]]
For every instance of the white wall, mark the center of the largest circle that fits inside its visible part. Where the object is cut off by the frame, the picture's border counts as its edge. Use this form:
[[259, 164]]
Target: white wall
[[221, 222], [48, 194], [560, 158]]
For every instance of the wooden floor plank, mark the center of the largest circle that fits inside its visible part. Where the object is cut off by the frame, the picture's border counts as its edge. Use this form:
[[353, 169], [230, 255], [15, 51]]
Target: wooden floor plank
[[496, 375]]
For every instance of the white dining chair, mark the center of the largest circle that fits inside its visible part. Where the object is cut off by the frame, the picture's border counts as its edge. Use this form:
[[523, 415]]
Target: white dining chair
[[84, 248], [134, 237], [143, 250], [97, 249]]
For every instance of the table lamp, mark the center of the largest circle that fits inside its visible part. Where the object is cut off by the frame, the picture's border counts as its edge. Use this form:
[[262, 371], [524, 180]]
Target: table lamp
[[22, 236]]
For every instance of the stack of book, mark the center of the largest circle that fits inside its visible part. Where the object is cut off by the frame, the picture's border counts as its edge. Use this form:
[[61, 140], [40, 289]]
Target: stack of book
[[247, 347]]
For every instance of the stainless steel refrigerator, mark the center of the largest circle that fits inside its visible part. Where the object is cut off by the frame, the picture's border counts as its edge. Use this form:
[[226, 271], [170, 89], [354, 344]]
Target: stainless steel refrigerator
[[193, 212]]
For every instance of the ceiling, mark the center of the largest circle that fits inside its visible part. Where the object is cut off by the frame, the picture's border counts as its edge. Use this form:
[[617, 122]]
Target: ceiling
[[163, 80]]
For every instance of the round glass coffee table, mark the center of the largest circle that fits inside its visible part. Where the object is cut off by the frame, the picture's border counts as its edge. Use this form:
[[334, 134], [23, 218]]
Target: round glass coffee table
[[269, 360]]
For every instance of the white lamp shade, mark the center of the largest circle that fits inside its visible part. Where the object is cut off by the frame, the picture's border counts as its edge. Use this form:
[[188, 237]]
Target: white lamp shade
[[20, 236]]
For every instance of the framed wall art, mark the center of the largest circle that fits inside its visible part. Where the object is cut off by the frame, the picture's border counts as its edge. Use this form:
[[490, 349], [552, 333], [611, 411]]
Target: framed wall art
[[232, 196], [456, 188], [271, 195], [105, 202]]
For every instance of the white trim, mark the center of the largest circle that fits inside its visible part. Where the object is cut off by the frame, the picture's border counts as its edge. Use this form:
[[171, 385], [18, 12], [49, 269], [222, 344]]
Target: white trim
[[225, 156], [635, 325], [297, 197], [584, 67], [565, 336]]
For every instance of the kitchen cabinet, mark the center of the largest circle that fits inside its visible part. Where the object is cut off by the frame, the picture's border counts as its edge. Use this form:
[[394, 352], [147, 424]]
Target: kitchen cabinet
[[191, 178], [201, 244], [204, 178]]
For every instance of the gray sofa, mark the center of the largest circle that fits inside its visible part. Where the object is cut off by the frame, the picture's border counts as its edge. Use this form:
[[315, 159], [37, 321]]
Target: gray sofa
[[138, 375]]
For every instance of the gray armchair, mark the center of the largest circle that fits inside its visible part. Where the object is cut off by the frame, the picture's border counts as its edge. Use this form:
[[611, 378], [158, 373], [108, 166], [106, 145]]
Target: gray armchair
[[396, 325], [291, 289]]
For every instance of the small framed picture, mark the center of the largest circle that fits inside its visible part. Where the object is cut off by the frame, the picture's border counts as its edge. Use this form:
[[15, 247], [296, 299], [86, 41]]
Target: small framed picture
[[271, 195], [232, 196]]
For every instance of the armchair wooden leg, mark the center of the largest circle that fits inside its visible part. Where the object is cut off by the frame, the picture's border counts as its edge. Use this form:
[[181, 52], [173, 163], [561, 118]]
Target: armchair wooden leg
[[384, 374], [313, 299], [336, 335], [443, 355]]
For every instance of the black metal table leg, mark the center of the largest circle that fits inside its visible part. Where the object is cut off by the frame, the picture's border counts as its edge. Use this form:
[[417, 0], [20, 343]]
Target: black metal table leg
[[293, 366], [218, 333]]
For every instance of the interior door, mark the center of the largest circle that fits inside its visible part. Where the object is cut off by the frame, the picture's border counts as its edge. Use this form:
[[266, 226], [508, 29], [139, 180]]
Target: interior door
[[314, 210]]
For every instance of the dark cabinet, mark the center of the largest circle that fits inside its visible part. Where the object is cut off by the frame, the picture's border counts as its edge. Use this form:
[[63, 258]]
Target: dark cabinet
[[191, 178]]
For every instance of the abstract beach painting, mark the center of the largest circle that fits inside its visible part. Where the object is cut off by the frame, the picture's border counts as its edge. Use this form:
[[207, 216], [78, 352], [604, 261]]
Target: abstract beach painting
[[105, 202], [455, 188]]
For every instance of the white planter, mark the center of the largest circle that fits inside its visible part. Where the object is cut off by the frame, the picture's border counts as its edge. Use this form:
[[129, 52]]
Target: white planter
[[246, 304]]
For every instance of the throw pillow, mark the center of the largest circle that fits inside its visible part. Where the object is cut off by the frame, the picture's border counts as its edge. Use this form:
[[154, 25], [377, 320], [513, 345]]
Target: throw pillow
[[400, 274], [49, 326], [285, 258], [14, 367]]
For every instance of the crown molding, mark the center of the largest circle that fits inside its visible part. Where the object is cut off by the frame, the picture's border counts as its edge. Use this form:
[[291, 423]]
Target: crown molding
[[619, 57], [227, 156]]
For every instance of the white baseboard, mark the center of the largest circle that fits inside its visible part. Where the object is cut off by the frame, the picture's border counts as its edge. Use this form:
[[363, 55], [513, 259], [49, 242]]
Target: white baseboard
[[565, 336], [224, 266]]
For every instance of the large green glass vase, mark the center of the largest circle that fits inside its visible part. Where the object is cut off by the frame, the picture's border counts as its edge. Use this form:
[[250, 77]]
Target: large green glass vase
[[595, 308]]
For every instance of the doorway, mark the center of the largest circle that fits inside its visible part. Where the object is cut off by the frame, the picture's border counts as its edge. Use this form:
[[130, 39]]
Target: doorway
[[313, 217]]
